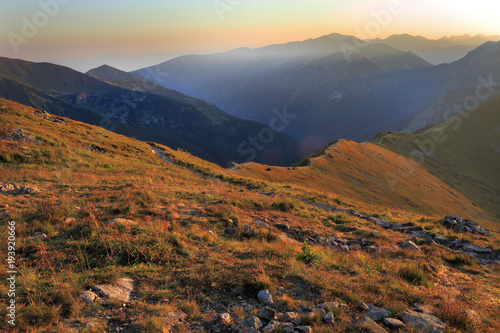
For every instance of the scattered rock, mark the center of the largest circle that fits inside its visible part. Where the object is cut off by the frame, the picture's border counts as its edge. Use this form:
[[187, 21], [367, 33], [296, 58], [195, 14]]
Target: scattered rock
[[328, 305], [363, 307], [418, 307], [39, 235], [69, 220], [271, 327], [421, 235], [121, 290], [174, 319], [474, 248], [409, 245], [304, 329], [282, 226], [225, 318], [119, 221], [230, 230], [471, 315], [247, 230], [329, 318], [264, 296], [288, 317], [89, 297], [267, 313], [423, 321], [18, 135], [393, 323], [15, 188], [368, 324], [440, 239], [253, 322], [375, 313], [459, 225], [248, 330]]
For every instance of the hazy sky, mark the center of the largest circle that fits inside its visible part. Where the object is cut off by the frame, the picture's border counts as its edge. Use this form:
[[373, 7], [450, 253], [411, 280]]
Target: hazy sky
[[69, 28]]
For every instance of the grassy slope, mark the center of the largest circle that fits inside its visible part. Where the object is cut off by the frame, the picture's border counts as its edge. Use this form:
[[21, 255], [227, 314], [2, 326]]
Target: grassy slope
[[171, 256], [466, 154], [375, 178]]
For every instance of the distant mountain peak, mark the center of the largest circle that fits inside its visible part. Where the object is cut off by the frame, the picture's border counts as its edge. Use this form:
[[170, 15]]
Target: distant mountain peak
[[109, 72]]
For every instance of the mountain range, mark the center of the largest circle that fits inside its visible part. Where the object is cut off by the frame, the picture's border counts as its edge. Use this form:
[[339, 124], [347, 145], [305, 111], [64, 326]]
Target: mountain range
[[130, 105], [335, 86]]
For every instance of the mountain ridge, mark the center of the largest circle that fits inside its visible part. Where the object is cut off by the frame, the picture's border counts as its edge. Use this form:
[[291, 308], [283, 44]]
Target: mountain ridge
[[128, 107]]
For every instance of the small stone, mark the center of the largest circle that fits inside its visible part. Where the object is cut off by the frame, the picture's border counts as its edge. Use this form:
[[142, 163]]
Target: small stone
[[304, 329], [329, 318], [174, 318], [121, 290], [70, 220], [375, 313], [253, 322], [289, 317], [372, 249], [267, 313], [370, 325], [474, 248], [225, 318], [422, 308], [40, 235], [363, 307], [440, 239], [317, 311], [271, 327], [344, 248], [264, 296], [328, 305], [88, 296], [471, 315], [230, 230], [423, 321], [120, 221], [409, 245], [247, 230], [393, 323]]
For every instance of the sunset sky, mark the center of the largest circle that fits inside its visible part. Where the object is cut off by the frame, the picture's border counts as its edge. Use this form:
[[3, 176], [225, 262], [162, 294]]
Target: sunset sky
[[79, 28]]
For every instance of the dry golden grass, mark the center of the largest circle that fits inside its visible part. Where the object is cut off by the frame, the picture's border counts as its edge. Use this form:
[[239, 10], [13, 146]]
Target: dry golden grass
[[178, 265]]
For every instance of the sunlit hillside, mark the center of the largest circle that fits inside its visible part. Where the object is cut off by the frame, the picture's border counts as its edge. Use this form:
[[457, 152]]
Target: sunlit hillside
[[464, 152], [190, 244]]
